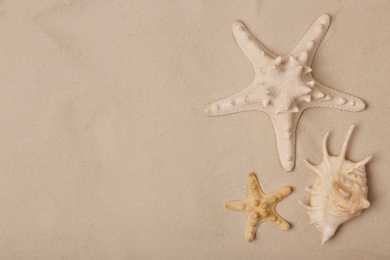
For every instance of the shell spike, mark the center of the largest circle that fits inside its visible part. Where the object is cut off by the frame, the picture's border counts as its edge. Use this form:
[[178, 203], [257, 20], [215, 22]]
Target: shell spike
[[311, 191], [313, 168], [345, 145], [303, 205], [339, 192], [363, 162], [325, 149], [324, 146]]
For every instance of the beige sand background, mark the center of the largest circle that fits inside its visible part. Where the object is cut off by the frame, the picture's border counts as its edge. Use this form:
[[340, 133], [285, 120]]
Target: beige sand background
[[106, 152]]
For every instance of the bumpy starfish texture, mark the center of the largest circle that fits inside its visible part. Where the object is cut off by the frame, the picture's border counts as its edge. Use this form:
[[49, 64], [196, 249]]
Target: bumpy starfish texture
[[284, 87], [260, 207]]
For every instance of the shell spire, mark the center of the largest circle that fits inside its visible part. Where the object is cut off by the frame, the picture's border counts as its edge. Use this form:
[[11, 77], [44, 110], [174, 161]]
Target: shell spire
[[339, 192], [327, 233]]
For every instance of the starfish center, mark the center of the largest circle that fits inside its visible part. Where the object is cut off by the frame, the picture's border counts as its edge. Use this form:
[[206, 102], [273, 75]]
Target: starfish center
[[284, 85]]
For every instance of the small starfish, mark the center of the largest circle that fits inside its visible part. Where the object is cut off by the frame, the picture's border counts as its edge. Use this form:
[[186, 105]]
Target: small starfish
[[260, 207], [284, 87]]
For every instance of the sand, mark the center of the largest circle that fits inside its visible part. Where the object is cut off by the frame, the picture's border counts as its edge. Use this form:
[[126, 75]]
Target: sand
[[106, 152]]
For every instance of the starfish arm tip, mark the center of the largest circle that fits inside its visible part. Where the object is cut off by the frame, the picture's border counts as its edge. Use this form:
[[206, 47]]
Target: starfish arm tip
[[212, 110], [288, 166], [285, 226], [279, 222], [361, 105], [237, 24], [284, 192], [232, 205], [288, 190], [323, 21], [208, 110], [217, 108], [325, 18], [237, 205], [312, 39], [249, 238]]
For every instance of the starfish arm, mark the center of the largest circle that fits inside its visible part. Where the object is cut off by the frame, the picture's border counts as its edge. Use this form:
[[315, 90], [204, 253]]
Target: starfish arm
[[260, 207], [307, 47], [252, 224], [277, 221], [285, 128], [252, 48], [245, 100], [280, 194], [327, 97], [254, 189], [237, 205]]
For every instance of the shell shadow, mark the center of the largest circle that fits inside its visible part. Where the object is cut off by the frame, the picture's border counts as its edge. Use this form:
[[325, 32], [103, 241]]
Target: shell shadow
[[372, 196]]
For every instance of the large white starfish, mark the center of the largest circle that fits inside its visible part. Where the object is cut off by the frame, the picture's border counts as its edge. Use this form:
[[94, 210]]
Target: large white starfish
[[283, 86]]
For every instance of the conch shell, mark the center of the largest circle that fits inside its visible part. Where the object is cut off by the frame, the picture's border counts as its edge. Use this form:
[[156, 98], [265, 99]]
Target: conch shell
[[339, 192]]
